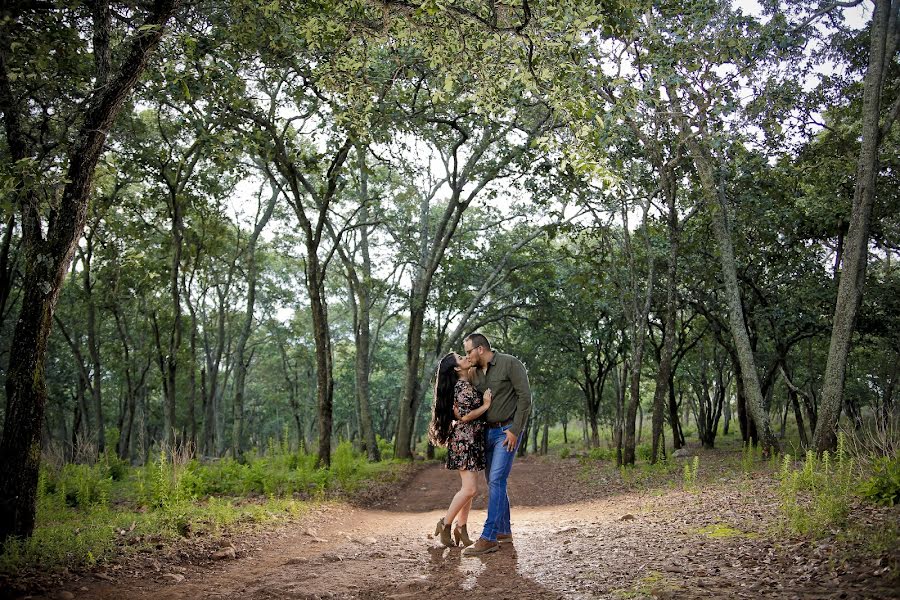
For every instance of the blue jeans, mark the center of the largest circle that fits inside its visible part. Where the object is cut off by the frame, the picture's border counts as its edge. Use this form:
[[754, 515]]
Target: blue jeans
[[498, 463]]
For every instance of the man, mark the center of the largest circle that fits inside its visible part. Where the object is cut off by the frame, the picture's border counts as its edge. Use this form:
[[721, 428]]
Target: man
[[505, 376]]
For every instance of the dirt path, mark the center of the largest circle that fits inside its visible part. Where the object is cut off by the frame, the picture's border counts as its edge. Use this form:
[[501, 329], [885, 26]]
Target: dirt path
[[576, 536]]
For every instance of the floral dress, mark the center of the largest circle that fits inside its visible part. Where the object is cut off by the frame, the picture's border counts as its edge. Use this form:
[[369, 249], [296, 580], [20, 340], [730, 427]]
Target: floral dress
[[465, 449]]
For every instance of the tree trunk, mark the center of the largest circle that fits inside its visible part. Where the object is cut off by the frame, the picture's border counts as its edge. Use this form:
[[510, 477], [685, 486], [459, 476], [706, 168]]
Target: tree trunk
[[523, 446], [93, 347], [83, 433], [793, 398], [887, 398], [591, 405], [192, 379], [8, 260], [852, 281], [76, 425], [674, 421], [46, 262], [638, 335], [126, 422], [663, 376], [240, 373], [618, 427], [417, 300], [169, 361], [545, 437], [715, 204], [322, 337], [727, 412], [362, 315], [713, 198]]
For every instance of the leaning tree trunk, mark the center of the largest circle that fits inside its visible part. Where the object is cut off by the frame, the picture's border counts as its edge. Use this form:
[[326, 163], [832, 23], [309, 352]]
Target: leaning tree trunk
[[359, 279], [850, 289], [47, 259], [714, 202], [751, 386], [749, 374]]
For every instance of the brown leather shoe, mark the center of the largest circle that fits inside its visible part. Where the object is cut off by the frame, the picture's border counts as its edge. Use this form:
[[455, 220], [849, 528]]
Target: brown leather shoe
[[482, 546], [504, 538]]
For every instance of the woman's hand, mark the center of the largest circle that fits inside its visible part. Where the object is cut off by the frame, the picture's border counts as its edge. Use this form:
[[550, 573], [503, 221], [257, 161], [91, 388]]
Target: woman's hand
[[487, 397]]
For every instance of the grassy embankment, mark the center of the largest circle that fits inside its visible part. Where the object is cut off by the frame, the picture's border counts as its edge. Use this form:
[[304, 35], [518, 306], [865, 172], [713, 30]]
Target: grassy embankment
[[816, 496], [92, 514]]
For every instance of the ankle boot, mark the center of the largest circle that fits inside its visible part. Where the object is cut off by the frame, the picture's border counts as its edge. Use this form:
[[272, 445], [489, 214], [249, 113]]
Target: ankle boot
[[443, 530], [461, 534]]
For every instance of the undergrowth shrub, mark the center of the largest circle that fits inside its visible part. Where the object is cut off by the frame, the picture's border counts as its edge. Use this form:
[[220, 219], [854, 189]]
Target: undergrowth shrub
[[644, 452], [160, 481], [689, 476], [173, 496], [815, 498], [75, 486], [883, 487], [385, 447], [344, 465], [602, 454], [750, 455]]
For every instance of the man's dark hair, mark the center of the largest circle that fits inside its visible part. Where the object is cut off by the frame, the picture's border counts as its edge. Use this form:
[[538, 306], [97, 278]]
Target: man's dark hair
[[478, 339]]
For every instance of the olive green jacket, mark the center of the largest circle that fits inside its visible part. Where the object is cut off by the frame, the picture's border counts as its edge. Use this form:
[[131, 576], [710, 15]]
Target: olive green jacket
[[511, 395]]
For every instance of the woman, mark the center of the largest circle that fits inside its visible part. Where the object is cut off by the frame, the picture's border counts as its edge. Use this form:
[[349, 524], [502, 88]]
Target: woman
[[454, 425]]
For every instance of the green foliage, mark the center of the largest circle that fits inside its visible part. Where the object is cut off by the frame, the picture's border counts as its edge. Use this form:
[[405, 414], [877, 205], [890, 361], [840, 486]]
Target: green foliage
[[116, 468], [344, 465], [385, 447], [602, 454], [816, 497], [644, 452], [160, 482], [883, 487], [750, 455], [76, 486], [691, 470], [171, 498]]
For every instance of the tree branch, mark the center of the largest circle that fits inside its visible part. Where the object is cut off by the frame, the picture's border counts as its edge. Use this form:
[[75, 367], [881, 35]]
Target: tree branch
[[823, 11]]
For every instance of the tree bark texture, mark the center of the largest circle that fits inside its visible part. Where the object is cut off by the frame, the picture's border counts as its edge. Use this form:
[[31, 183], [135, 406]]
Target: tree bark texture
[[882, 46], [715, 205]]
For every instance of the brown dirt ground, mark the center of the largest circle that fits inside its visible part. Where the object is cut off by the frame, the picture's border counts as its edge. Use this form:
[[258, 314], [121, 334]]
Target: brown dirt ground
[[579, 533]]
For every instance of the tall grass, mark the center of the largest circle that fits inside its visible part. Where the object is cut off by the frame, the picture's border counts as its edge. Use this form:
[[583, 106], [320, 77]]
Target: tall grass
[[88, 514]]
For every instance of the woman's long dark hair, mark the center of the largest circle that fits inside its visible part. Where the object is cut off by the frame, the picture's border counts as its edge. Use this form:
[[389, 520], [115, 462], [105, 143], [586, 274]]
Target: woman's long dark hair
[[442, 410]]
